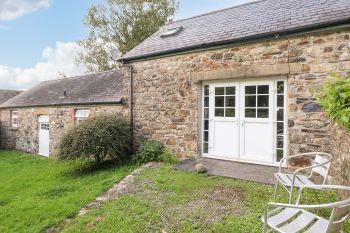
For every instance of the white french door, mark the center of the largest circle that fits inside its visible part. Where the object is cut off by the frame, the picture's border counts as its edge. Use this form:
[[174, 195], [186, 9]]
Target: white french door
[[257, 122], [244, 120]]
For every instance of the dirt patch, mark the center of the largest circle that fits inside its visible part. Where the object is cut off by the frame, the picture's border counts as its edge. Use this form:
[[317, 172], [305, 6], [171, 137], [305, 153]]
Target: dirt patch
[[201, 208], [93, 223], [205, 208]]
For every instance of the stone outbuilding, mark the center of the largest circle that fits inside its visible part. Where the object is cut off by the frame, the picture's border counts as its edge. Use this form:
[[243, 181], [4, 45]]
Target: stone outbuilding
[[239, 83], [5, 95], [34, 120]]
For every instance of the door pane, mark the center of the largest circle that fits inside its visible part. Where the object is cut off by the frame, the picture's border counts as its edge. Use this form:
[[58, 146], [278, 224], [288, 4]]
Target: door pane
[[230, 112], [206, 113], [280, 141], [280, 87], [206, 125], [230, 90], [280, 114], [206, 101], [219, 90], [219, 112], [280, 102], [250, 112], [206, 90], [280, 129], [263, 89], [250, 90], [250, 101], [219, 101], [263, 101], [263, 113], [230, 101]]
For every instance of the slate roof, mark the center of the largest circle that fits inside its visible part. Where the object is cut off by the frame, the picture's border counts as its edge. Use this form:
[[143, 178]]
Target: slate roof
[[5, 95], [99, 88], [258, 19]]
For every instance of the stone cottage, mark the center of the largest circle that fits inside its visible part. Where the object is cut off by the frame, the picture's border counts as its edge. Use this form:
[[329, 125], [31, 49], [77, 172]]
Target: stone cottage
[[239, 83], [34, 120]]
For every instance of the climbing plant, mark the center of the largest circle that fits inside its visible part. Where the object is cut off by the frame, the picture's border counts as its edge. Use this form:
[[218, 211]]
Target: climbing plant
[[335, 99]]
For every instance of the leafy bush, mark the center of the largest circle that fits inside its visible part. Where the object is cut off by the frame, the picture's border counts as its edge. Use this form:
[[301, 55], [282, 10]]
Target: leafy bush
[[97, 138], [335, 99], [152, 151]]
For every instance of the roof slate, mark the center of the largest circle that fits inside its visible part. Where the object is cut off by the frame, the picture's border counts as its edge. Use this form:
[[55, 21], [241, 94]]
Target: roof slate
[[99, 88], [5, 95], [256, 19]]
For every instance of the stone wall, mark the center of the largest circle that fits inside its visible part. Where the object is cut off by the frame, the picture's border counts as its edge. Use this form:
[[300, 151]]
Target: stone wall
[[168, 89], [25, 136]]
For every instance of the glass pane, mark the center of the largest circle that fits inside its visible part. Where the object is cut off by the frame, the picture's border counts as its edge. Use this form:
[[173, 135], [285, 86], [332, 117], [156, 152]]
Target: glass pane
[[250, 112], [280, 101], [219, 112], [206, 101], [230, 90], [206, 125], [263, 113], [206, 90], [230, 112], [219, 101], [280, 129], [263, 101], [206, 113], [205, 147], [250, 101], [280, 115], [219, 90], [280, 87], [279, 155], [250, 89], [263, 89], [206, 136], [230, 101], [280, 141]]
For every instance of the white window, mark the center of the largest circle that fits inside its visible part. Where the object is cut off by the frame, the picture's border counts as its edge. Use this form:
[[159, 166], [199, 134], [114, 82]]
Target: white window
[[14, 119], [81, 115]]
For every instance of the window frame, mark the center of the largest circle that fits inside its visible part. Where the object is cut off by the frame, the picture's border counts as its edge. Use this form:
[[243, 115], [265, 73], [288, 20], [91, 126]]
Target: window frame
[[13, 117], [79, 119]]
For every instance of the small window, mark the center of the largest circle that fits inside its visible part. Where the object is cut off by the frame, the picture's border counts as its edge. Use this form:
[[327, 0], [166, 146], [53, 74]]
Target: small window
[[14, 119], [81, 115], [172, 32]]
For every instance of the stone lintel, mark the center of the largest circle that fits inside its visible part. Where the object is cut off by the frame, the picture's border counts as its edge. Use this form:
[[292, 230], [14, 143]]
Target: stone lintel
[[252, 71]]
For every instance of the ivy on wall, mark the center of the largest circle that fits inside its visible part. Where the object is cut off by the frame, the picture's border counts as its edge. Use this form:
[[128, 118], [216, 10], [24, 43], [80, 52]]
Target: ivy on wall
[[335, 99]]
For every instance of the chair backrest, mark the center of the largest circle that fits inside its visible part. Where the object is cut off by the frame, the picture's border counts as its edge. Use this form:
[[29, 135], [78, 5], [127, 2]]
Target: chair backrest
[[322, 170], [337, 218]]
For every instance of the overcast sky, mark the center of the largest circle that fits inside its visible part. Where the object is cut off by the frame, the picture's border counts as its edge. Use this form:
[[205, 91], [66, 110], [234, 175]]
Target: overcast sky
[[37, 37]]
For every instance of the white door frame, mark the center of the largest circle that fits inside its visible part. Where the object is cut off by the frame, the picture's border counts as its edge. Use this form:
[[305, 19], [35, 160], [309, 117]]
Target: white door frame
[[253, 81], [44, 135]]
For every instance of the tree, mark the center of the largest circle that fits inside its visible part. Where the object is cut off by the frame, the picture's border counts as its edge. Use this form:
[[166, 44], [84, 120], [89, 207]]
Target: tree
[[117, 26]]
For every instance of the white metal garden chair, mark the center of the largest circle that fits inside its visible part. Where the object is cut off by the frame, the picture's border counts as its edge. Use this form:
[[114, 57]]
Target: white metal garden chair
[[318, 172], [288, 218]]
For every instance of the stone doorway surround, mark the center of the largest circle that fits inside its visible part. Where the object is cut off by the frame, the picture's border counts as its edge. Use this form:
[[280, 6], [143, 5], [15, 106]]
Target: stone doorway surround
[[231, 169]]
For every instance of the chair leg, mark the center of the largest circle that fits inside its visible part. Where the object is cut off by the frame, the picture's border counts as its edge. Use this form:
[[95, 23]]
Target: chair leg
[[290, 195], [276, 188]]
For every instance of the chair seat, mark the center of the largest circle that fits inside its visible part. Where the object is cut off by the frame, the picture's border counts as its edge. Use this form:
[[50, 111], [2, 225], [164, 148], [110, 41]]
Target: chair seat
[[300, 180], [290, 220]]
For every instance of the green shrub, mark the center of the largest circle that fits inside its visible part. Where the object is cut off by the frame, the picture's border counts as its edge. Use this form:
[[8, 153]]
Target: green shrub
[[96, 139], [148, 152], [335, 99]]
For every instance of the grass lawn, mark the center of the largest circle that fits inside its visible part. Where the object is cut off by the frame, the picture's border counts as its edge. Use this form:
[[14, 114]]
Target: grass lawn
[[164, 200], [37, 193]]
